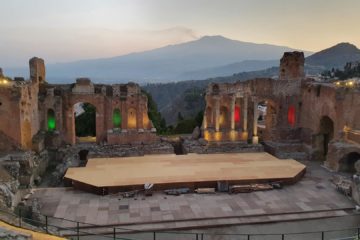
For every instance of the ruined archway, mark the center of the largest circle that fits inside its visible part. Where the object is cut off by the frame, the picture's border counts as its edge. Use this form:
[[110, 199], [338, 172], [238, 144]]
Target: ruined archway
[[83, 157], [325, 135], [85, 122], [266, 119], [261, 113], [347, 163], [131, 118], [224, 118], [117, 118]]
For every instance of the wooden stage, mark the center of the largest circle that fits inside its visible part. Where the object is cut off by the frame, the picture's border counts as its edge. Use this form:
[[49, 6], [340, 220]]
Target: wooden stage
[[191, 170]]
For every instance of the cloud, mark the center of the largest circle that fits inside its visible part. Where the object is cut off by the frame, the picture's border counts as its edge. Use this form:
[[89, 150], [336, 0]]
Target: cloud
[[178, 34]]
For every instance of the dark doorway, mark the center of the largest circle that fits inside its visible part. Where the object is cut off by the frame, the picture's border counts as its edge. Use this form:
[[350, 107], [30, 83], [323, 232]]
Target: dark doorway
[[327, 133], [347, 163], [83, 157], [179, 148]]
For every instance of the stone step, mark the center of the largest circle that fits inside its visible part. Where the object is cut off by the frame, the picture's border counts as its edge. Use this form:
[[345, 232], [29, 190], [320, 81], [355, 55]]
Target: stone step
[[204, 223], [285, 147], [301, 156]]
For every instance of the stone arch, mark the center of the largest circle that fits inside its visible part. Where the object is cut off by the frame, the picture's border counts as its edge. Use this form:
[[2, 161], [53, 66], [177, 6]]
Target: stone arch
[[51, 120], [267, 118], [324, 136], [327, 126], [262, 112], [117, 118], [69, 129], [347, 162], [131, 118], [224, 117]]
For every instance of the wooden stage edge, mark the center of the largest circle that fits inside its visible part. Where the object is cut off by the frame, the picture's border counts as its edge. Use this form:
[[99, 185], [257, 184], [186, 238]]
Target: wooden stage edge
[[112, 175]]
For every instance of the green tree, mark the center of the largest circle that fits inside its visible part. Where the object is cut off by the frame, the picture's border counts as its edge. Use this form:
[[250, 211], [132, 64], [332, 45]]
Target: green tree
[[199, 118], [185, 126], [86, 122]]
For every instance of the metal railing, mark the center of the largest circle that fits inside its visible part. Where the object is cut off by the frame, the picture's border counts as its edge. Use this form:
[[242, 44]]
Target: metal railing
[[80, 230]]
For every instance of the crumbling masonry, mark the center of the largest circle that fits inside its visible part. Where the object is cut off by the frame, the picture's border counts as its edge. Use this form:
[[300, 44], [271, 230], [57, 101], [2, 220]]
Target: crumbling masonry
[[27, 107], [303, 118]]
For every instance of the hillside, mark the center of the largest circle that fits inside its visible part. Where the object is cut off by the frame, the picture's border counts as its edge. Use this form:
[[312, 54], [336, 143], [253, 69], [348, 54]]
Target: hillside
[[335, 57], [173, 98]]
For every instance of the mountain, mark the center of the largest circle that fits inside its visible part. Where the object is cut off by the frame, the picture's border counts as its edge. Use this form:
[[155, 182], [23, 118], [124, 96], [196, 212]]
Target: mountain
[[169, 63], [171, 97], [334, 57]]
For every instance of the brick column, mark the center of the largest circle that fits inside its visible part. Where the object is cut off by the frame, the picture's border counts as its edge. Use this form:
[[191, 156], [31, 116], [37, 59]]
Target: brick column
[[204, 123]]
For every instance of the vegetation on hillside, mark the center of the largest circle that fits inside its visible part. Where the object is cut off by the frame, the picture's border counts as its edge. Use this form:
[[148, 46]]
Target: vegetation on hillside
[[187, 125], [187, 97], [351, 70], [183, 125]]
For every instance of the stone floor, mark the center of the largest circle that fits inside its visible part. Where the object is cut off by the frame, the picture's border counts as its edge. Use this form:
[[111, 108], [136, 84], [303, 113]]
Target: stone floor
[[313, 193]]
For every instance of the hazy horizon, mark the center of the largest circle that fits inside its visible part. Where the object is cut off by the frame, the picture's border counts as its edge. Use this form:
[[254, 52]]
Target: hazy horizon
[[73, 30]]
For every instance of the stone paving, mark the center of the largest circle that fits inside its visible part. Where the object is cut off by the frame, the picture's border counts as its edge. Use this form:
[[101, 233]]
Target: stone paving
[[313, 193]]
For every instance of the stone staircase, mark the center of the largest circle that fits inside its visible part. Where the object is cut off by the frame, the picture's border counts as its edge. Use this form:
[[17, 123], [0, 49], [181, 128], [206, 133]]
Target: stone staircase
[[221, 147], [173, 225], [284, 150]]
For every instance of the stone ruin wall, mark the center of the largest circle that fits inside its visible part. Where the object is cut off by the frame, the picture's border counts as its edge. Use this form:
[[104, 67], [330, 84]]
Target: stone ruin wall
[[342, 106], [292, 66], [27, 103], [279, 94], [24, 109], [19, 113], [312, 102]]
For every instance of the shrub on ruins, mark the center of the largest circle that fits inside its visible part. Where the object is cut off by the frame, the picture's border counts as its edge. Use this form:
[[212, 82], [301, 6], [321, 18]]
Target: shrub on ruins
[[154, 115], [187, 125]]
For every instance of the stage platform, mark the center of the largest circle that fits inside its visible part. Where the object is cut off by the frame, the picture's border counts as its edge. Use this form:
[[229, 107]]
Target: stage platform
[[109, 175]]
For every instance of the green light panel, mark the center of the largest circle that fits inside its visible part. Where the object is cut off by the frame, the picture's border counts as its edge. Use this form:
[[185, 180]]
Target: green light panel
[[117, 118], [51, 121]]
